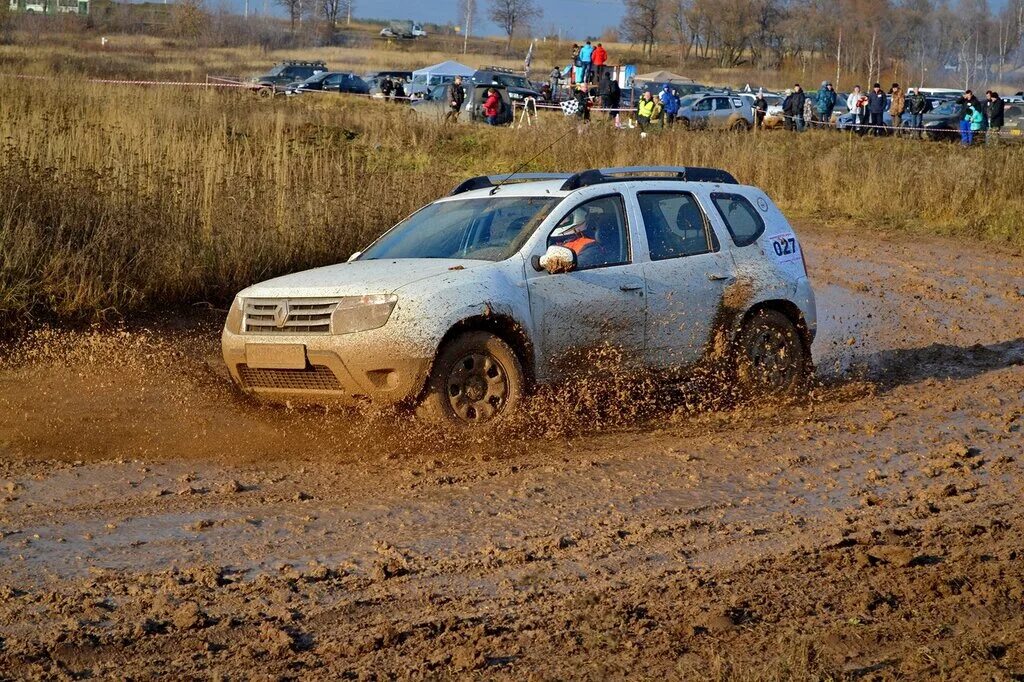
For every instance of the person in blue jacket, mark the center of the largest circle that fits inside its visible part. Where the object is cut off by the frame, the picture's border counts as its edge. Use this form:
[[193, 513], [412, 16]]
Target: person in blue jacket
[[587, 60], [669, 103]]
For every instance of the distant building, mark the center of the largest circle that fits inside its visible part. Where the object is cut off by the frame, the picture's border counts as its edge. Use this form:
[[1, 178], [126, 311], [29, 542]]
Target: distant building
[[50, 6]]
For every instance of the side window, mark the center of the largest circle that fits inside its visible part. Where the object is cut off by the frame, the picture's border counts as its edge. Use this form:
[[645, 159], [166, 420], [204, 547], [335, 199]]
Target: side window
[[596, 231], [703, 105], [675, 225], [722, 104], [744, 222]]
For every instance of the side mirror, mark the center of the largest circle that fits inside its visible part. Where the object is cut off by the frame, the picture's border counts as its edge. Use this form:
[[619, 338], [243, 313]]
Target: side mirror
[[558, 259], [354, 256]]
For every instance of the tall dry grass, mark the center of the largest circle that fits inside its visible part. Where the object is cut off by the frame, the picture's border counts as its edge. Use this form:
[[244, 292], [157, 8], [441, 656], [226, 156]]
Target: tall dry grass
[[119, 198]]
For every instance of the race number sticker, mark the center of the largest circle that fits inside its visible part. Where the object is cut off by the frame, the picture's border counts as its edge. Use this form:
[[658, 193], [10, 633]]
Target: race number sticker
[[784, 247]]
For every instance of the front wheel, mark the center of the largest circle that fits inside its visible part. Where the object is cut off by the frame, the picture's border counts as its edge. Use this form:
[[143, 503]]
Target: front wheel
[[476, 381], [771, 357]]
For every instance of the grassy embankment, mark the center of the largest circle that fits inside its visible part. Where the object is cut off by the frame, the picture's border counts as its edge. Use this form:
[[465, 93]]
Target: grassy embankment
[[118, 199]]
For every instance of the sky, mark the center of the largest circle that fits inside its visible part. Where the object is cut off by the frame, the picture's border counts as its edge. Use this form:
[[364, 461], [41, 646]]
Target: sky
[[577, 19]]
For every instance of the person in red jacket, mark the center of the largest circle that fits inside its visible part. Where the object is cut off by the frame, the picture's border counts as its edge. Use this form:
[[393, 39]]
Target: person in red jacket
[[599, 58], [492, 106]]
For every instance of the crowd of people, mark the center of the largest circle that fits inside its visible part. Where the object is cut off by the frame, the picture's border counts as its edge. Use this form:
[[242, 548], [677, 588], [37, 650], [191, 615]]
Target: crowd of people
[[868, 111], [589, 70]]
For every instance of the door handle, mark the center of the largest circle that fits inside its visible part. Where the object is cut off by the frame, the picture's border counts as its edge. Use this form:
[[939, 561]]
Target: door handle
[[628, 287], [718, 277]]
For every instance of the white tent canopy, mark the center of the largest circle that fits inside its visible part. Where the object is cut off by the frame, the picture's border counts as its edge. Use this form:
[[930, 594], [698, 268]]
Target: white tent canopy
[[445, 70], [662, 77]]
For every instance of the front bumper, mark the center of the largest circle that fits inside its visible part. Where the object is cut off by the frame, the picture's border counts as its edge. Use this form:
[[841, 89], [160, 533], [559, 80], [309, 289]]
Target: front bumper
[[351, 369]]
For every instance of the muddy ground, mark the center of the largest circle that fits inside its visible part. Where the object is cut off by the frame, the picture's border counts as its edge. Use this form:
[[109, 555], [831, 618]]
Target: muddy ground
[[154, 523]]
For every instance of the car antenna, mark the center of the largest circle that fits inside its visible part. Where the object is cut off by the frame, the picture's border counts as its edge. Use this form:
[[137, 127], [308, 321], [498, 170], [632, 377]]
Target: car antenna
[[528, 161]]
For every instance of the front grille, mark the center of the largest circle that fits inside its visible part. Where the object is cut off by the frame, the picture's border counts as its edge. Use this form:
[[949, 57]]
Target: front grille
[[315, 378], [289, 316]]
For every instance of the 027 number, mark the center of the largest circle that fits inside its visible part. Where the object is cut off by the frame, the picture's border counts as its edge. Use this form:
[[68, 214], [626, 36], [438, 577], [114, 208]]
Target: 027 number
[[785, 246]]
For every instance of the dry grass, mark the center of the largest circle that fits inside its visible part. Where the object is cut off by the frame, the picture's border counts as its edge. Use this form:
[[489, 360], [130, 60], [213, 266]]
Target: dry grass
[[122, 198]]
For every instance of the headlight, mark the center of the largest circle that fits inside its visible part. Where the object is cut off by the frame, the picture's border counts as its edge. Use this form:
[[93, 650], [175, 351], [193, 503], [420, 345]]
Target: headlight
[[234, 321], [360, 313]]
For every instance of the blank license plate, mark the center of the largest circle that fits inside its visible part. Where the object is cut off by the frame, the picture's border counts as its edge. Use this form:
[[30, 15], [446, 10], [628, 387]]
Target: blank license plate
[[275, 356]]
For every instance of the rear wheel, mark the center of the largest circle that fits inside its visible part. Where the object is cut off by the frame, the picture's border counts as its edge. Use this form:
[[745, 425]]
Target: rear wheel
[[477, 381], [771, 358]]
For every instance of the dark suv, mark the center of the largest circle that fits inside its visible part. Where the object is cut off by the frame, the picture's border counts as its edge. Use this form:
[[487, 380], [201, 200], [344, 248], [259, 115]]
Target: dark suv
[[517, 86], [284, 74]]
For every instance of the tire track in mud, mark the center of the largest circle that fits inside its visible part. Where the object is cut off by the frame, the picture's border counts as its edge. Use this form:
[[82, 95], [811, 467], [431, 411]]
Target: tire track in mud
[[177, 528]]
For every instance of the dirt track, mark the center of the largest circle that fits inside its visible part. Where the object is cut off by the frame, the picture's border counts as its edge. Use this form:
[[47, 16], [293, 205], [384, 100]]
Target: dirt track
[[154, 523]]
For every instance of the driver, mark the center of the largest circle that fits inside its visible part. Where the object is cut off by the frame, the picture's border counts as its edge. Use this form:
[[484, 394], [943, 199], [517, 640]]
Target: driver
[[588, 242]]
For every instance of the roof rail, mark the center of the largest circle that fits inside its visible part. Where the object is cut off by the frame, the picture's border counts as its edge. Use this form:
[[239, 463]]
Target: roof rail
[[484, 181], [596, 176]]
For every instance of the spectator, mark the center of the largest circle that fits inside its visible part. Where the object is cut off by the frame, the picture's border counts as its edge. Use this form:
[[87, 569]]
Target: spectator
[[456, 97], [825, 103], [897, 105], [975, 121], [387, 87], [789, 113], [599, 58], [545, 93], [670, 105], [492, 107], [876, 109], [604, 89], [994, 112], [553, 79], [799, 100], [645, 110], [586, 60], [400, 89], [760, 110], [918, 105], [857, 104], [614, 98], [583, 100]]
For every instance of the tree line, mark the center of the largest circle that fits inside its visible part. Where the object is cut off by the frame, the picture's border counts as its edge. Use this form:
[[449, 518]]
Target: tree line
[[914, 39]]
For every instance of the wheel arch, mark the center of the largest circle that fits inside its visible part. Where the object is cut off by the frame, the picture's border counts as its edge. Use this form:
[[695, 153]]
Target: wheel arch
[[789, 309], [504, 327]]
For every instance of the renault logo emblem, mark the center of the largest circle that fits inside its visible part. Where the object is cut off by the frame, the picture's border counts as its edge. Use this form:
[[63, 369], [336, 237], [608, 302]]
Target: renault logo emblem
[[281, 314]]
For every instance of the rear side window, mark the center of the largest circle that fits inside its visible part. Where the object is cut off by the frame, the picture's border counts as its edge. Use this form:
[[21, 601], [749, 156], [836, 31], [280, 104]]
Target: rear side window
[[675, 225], [744, 222]]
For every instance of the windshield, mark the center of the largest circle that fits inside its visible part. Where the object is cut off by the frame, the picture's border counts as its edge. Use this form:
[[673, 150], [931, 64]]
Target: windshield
[[478, 229], [947, 108], [511, 81]]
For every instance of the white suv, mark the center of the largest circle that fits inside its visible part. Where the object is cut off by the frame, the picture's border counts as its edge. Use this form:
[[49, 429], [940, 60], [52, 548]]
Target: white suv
[[514, 281]]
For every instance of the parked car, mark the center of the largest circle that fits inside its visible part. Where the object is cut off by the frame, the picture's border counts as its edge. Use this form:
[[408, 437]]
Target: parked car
[[330, 81], [283, 74], [517, 86], [515, 281], [1014, 121], [436, 103], [717, 111]]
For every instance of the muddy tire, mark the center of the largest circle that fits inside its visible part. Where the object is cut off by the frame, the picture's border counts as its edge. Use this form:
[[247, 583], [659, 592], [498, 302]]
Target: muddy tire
[[476, 383], [771, 357]]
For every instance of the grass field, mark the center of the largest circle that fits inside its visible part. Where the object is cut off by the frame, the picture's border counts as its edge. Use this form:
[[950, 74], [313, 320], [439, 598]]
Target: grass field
[[117, 199]]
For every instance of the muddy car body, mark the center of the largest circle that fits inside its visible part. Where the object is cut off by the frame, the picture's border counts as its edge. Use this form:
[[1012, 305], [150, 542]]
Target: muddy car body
[[511, 282]]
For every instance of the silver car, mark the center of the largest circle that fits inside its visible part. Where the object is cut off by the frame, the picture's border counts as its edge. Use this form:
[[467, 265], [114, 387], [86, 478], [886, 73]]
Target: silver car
[[728, 111], [515, 281]]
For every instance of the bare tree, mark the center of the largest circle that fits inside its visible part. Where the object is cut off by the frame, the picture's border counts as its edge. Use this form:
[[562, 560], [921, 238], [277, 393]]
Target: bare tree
[[513, 16], [643, 19], [467, 15], [294, 9]]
